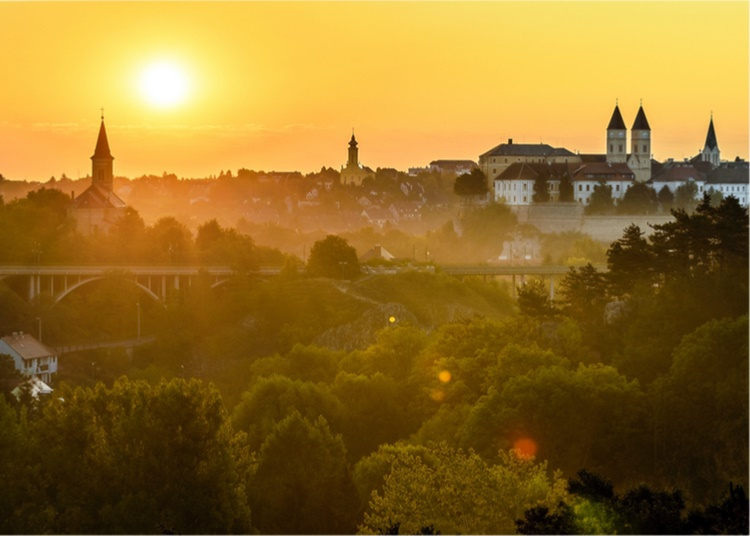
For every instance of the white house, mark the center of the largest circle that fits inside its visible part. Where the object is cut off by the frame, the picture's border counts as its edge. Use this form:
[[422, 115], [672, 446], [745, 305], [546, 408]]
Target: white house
[[730, 178], [31, 357]]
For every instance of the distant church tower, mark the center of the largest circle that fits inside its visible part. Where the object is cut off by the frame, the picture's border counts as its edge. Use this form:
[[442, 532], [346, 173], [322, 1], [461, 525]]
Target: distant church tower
[[640, 143], [353, 172], [710, 152], [98, 207], [353, 153], [101, 162], [616, 142]]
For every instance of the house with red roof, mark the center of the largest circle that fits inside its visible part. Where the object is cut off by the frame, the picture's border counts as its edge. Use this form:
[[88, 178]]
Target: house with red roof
[[30, 357]]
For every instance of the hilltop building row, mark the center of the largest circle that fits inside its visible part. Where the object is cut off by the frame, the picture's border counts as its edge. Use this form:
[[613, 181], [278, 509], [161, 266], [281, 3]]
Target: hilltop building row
[[512, 170]]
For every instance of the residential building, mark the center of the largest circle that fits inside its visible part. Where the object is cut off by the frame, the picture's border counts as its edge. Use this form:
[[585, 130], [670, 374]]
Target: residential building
[[730, 178], [673, 175], [495, 161], [30, 357], [459, 167], [515, 186], [619, 177]]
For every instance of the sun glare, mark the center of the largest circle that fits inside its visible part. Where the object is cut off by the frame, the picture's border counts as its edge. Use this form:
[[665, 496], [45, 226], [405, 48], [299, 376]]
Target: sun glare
[[164, 84]]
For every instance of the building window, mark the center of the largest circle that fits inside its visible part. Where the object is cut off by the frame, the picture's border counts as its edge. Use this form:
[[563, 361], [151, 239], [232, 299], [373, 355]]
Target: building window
[[645, 148], [524, 199], [580, 188], [617, 187], [619, 147], [588, 187], [611, 148]]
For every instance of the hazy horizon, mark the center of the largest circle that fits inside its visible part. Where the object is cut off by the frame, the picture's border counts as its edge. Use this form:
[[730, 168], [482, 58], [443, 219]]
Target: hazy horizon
[[281, 86]]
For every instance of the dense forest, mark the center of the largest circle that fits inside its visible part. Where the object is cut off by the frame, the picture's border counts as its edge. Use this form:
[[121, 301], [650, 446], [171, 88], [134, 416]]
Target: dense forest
[[325, 402]]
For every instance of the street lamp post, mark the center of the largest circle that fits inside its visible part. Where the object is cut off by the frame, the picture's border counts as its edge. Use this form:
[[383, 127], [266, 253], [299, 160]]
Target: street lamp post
[[138, 308], [39, 330]]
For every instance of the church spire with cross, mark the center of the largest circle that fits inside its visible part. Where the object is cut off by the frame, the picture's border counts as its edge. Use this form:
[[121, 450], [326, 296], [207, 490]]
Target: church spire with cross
[[710, 152], [101, 163]]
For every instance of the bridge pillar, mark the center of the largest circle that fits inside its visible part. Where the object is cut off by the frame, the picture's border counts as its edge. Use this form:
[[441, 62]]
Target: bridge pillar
[[32, 287], [552, 288]]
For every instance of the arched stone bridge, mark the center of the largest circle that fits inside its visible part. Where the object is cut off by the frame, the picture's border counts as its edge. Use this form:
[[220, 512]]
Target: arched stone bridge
[[156, 281]]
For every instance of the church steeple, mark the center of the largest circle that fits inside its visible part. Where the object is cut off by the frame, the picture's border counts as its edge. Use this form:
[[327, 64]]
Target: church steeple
[[616, 143], [101, 163], [640, 141], [353, 153], [710, 152]]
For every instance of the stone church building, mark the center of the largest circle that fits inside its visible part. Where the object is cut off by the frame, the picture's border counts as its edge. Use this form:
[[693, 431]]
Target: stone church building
[[98, 207]]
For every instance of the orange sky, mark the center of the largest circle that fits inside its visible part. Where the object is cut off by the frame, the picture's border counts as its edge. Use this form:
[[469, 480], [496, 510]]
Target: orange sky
[[280, 85]]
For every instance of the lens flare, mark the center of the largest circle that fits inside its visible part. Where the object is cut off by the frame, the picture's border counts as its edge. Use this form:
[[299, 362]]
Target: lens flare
[[525, 447]]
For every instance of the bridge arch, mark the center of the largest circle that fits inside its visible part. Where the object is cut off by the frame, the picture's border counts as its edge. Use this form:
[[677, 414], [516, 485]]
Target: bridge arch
[[79, 284]]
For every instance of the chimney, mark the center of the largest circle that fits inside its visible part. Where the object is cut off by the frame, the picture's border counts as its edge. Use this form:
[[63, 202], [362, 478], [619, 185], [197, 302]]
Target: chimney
[[510, 141]]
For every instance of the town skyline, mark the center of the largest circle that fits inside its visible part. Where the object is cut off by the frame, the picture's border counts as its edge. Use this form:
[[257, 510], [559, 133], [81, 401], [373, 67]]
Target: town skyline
[[415, 81]]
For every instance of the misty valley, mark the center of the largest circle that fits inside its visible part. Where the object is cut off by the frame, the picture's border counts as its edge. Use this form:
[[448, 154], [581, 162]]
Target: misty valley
[[314, 389]]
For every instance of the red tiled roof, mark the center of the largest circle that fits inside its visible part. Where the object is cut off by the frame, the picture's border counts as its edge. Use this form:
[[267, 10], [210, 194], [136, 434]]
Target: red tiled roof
[[27, 346], [96, 196]]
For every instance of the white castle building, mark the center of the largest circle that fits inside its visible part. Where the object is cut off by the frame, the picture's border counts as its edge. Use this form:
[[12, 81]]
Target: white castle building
[[516, 169]]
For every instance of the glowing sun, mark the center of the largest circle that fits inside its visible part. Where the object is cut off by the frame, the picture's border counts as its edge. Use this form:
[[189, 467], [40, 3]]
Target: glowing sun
[[164, 84]]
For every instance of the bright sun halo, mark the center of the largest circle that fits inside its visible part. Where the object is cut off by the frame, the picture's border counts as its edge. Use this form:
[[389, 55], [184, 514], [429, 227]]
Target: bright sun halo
[[164, 84]]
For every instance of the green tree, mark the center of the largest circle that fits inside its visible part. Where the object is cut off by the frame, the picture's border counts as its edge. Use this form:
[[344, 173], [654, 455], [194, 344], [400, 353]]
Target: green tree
[[271, 400], [140, 459], [601, 201], [485, 228], [459, 493], [701, 410], [639, 198], [665, 198], [716, 196], [303, 484], [333, 257], [127, 238], [630, 260], [541, 190], [685, 196], [217, 245], [534, 300], [567, 193], [21, 511], [169, 242], [590, 416], [471, 184]]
